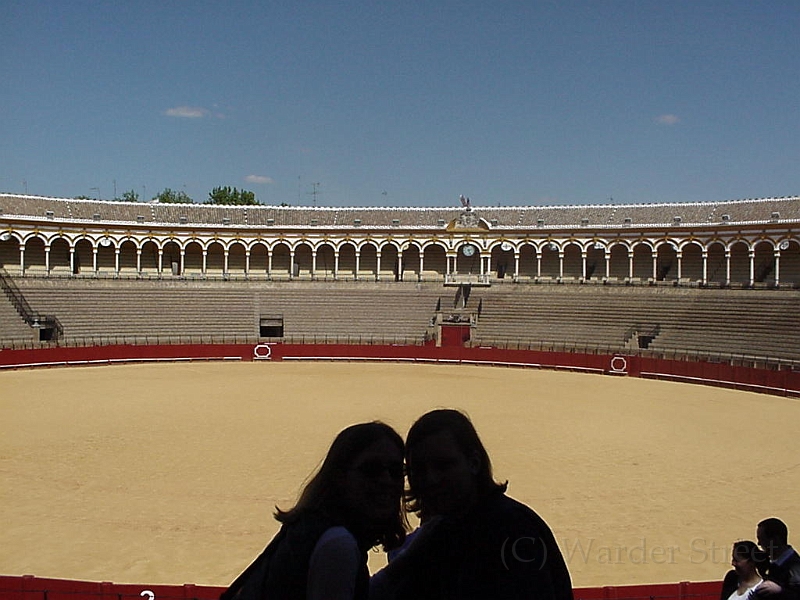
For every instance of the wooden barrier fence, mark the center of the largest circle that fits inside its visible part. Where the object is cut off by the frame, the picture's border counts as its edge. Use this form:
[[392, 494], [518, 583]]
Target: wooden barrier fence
[[28, 587], [784, 381]]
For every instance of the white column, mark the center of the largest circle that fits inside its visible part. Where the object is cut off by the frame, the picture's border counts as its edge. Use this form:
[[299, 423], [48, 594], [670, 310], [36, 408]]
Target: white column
[[679, 257], [225, 255], [727, 267], [561, 264], [291, 263], [116, 261], [607, 259], [777, 267], [358, 264], [204, 266], [269, 264], [313, 263], [94, 259], [516, 265], [47, 259], [752, 256], [72, 259], [181, 269], [246, 263], [583, 260], [21, 259], [336, 264], [378, 270], [399, 266], [705, 266], [160, 260], [138, 260]]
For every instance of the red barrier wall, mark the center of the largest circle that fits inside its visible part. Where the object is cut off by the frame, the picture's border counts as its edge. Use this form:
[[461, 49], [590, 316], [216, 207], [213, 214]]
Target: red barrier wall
[[35, 588], [781, 382], [121, 353]]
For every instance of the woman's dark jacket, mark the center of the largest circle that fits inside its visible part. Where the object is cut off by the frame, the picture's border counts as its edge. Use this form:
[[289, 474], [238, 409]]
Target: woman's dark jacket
[[281, 571]]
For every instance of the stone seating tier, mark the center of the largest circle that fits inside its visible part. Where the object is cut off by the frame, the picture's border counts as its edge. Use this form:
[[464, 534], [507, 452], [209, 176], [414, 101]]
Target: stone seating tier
[[689, 320]]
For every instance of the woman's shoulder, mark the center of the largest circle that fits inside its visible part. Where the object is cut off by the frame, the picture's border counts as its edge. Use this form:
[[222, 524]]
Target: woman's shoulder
[[338, 538], [302, 535], [337, 568]]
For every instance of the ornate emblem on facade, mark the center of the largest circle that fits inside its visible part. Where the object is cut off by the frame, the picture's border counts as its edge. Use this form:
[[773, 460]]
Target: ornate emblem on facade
[[468, 220]]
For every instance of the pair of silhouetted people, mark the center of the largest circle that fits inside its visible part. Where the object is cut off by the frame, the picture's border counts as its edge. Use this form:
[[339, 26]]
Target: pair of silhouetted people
[[474, 543], [767, 571]]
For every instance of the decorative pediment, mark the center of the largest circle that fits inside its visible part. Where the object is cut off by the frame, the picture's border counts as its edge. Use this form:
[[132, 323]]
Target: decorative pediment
[[468, 221]]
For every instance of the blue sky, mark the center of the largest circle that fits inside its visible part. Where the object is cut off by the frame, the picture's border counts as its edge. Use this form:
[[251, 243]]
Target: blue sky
[[402, 103]]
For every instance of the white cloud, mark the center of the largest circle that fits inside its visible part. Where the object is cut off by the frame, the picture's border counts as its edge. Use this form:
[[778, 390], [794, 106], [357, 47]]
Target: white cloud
[[668, 119], [187, 112], [259, 179]]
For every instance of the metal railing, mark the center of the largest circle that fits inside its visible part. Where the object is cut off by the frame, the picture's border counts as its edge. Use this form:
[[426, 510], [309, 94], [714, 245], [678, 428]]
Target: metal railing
[[743, 360], [763, 361], [410, 277], [31, 317], [216, 339]]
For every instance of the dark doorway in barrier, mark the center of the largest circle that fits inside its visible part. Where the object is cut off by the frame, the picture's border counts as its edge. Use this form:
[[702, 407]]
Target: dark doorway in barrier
[[270, 326]]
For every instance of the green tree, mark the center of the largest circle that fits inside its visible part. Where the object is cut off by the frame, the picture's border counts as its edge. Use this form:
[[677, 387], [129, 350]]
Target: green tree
[[228, 195], [130, 196], [169, 196]]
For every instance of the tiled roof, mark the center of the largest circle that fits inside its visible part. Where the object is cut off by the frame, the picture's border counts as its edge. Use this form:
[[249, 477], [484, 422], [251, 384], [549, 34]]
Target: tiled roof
[[592, 215]]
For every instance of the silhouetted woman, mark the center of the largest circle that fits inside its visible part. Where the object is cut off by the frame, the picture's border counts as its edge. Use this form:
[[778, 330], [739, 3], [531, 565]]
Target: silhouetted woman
[[352, 504]]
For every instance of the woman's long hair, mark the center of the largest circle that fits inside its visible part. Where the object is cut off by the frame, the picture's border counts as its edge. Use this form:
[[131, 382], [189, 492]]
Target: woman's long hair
[[323, 494], [748, 550], [467, 440]]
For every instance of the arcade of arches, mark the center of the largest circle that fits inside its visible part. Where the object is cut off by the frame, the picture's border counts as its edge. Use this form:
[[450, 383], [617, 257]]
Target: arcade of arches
[[724, 262]]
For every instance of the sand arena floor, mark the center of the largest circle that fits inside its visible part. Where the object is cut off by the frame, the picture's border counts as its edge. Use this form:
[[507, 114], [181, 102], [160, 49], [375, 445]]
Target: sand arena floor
[[169, 473]]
